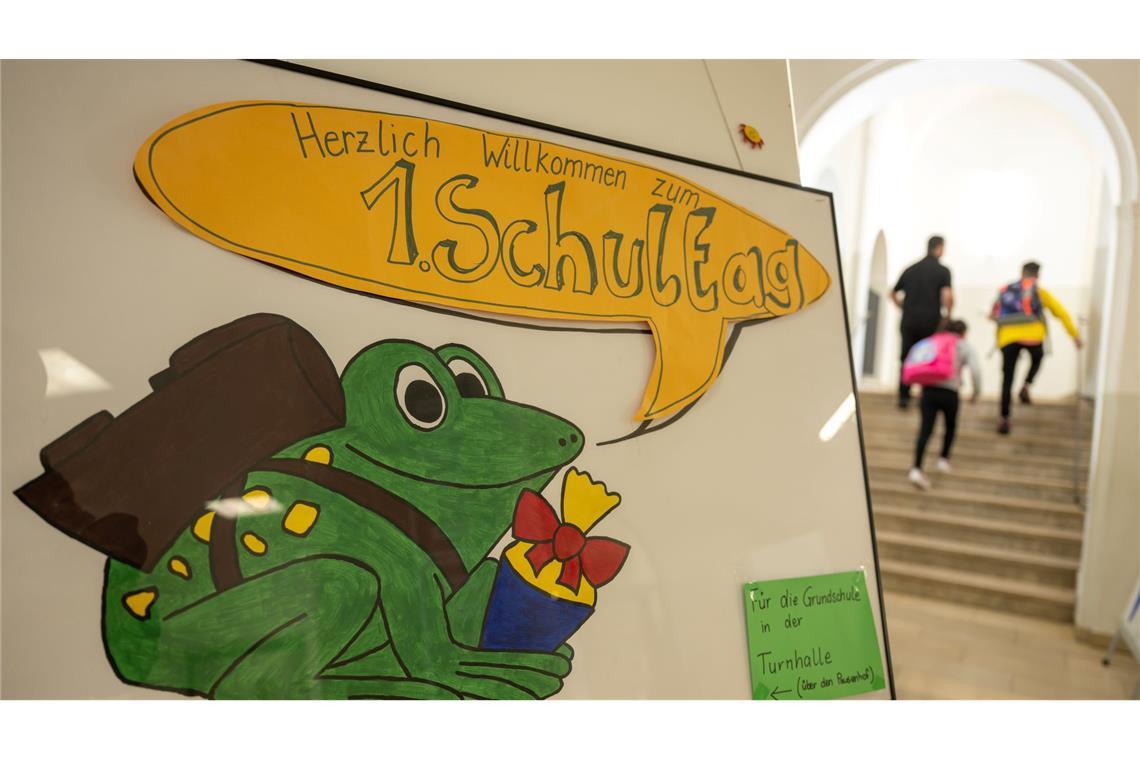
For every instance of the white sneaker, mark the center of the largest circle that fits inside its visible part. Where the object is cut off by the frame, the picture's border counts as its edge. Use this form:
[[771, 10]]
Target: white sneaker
[[918, 479], [943, 466]]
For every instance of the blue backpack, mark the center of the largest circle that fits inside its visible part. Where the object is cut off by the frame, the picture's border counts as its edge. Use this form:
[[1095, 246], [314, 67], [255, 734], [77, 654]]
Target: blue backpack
[[1018, 303]]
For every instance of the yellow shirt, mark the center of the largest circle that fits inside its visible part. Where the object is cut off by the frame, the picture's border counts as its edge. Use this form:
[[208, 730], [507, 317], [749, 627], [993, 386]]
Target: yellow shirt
[[1034, 332]]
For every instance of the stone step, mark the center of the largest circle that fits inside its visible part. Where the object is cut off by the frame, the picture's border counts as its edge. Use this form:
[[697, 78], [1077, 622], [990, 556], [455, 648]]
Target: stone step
[[893, 470], [982, 413], [1028, 567], [983, 422], [988, 441], [1028, 512], [983, 417], [1040, 409], [1047, 414], [1003, 530], [1041, 406], [1066, 439], [980, 590], [1060, 467], [1013, 535]]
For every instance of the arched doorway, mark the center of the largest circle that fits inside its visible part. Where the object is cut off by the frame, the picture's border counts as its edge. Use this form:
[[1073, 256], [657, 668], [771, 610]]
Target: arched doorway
[[1065, 89], [873, 367], [855, 98]]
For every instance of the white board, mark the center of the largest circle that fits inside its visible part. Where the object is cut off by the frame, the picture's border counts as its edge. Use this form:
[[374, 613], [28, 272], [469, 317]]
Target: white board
[[751, 484]]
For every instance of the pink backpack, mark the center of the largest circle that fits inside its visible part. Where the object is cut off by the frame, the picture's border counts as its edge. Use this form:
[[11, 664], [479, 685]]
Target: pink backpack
[[931, 360]]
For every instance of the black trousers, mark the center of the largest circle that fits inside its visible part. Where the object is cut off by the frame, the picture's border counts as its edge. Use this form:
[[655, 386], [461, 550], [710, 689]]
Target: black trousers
[[935, 400], [1009, 357], [910, 336]]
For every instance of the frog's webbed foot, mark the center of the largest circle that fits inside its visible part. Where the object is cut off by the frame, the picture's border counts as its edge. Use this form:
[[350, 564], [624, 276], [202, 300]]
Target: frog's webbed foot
[[483, 674]]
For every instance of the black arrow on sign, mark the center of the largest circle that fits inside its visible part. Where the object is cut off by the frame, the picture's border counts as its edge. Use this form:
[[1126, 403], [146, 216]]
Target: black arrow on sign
[[778, 690]]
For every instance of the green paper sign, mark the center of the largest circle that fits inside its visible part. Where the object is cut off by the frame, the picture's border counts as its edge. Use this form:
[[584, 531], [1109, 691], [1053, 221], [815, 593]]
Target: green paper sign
[[812, 638]]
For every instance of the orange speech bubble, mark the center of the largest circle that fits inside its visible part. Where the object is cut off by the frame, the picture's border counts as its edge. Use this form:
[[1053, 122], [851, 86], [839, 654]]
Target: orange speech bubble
[[427, 211]]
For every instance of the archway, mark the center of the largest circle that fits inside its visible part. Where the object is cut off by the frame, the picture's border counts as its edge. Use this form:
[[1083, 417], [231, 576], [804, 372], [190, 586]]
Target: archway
[[871, 349], [867, 90], [849, 104]]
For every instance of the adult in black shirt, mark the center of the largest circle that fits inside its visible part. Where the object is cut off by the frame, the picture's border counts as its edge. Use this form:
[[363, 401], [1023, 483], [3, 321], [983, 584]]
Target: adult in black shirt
[[926, 285]]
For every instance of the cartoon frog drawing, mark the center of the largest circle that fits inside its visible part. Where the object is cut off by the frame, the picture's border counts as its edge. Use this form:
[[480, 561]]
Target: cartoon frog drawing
[[356, 565]]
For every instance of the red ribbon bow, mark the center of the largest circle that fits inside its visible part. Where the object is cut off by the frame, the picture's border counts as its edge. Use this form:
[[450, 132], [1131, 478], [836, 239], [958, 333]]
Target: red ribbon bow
[[599, 559]]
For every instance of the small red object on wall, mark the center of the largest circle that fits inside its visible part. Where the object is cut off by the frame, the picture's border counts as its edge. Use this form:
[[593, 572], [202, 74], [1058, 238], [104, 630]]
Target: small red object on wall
[[751, 136]]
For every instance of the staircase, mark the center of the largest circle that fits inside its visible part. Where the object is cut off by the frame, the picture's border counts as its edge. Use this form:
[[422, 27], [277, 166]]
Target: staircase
[[1003, 530]]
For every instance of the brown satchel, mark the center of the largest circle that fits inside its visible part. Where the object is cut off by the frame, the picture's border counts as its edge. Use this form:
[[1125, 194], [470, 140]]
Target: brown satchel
[[128, 485]]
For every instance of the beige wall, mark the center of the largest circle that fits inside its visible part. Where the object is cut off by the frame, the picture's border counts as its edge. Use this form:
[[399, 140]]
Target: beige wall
[[1120, 81], [1111, 554], [1112, 550], [1111, 558], [687, 107]]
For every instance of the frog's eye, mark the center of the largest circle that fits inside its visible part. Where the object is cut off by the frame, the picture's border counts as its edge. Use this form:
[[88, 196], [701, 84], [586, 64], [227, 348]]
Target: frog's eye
[[419, 398], [467, 379]]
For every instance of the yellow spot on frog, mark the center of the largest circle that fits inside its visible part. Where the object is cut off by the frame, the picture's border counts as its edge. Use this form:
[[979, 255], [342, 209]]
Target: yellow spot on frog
[[254, 543], [179, 567], [202, 527], [258, 498], [138, 603], [300, 518], [319, 454]]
